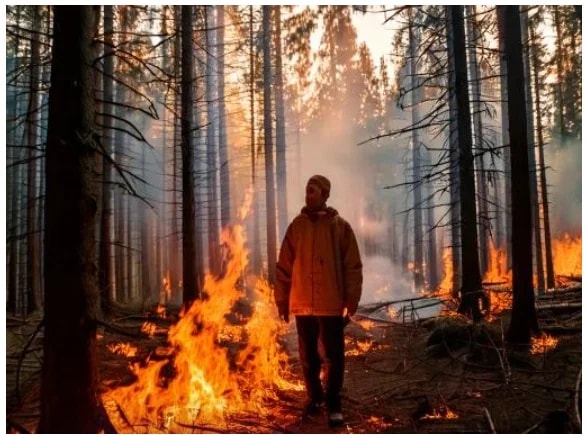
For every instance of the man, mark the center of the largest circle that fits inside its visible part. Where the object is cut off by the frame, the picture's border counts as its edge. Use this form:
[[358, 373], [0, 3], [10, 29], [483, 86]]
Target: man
[[319, 280]]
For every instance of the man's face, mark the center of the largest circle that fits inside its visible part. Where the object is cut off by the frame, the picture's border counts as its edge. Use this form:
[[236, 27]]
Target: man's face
[[314, 198]]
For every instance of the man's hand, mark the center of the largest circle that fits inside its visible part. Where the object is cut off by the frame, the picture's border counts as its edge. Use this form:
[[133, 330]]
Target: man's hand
[[283, 310]]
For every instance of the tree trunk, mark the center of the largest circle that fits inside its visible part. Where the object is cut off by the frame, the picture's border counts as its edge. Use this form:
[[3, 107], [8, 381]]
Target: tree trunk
[[559, 75], [453, 141], [222, 140], [191, 291], [505, 139], [523, 321], [32, 121], [478, 146], [542, 168], [416, 163], [69, 393], [269, 170], [105, 258], [212, 140], [256, 249], [471, 291], [280, 146]]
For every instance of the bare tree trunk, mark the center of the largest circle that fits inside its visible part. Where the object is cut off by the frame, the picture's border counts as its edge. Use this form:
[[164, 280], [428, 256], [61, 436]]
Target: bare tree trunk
[[269, 170], [72, 298], [453, 141], [471, 290], [505, 139], [256, 250], [542, 167], [523, 321], [174, 271], [191, 291], [222, 141], [559, 74], [212, 140], [532, 155], [105, 258], [416, 163], [32, 122], [121, 252], [478, 138], [280, 146]]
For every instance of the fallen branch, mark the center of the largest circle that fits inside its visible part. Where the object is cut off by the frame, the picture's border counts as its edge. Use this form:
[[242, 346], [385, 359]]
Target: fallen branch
[[576, 398], [489, 420], [118, 330]]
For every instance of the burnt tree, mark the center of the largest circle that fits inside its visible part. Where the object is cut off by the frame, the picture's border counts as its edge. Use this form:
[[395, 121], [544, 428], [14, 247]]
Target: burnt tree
[[524, 321], [69, 399]]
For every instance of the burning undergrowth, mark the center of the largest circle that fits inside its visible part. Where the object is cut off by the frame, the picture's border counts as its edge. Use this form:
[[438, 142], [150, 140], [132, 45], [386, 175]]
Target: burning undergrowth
[[221, 361]]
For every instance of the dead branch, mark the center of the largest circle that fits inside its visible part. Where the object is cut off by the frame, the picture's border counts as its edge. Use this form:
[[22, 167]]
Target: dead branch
[[489, 420], [118, 330]]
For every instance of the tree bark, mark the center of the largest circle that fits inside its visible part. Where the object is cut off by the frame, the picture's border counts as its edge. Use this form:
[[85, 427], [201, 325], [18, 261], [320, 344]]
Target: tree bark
[[523, 321], [542, 169], [222, 139], [280, 146], [471, 290], [191, 291], [105, 258], [69, 397], [268, 130]]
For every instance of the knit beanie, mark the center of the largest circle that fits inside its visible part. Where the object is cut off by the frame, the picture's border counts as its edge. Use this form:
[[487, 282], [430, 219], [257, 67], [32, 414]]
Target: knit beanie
[[322, 182]]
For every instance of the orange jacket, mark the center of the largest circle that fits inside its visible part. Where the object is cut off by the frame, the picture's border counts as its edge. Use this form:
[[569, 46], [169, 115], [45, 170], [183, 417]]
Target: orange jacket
[[319, 271]]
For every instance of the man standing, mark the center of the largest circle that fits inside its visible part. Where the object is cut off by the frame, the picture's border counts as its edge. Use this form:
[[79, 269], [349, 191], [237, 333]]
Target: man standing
[[319, 280]]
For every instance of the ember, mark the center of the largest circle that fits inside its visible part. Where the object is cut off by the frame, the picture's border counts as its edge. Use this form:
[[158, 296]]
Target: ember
[[123, 349], [543, 343], [442, 413]]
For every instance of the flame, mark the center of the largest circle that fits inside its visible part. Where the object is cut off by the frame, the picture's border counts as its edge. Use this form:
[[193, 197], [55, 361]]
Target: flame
[[543, 343], [217, 368], [567, 255], [165, 295], [442, 413], [149, 329], [123, 349], [366, 324], [500, 301], [161, 311], [377, 421], [497, 271], [445, 288], [359, 347]]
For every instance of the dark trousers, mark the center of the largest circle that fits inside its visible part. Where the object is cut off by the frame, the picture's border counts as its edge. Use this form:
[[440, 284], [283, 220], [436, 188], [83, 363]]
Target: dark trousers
[[329, 332]]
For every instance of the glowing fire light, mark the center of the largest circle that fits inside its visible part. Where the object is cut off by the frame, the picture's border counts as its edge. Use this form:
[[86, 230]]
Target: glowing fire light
[[445, 288], [497, 271], [442, 413], [206, 380], [149, 329], [567, 255], [165, 295], [123, 349], [542, 344]]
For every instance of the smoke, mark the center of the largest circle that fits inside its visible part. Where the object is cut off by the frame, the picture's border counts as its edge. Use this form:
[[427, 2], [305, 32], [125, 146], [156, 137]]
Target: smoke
[[564, 187], [384, 281]]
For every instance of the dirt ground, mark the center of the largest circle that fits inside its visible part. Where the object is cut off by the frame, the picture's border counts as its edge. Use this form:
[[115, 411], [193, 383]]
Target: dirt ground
[[406, 381]]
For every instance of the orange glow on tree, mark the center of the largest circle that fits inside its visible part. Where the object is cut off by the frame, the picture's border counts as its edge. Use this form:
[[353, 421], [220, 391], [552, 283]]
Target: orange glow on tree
[[567, 255]]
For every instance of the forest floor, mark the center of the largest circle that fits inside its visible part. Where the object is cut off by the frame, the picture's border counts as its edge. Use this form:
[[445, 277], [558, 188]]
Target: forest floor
[[441, 375]]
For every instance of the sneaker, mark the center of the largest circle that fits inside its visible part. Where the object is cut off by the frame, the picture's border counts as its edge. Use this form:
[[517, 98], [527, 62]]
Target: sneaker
[[312, 409], [335, 419]]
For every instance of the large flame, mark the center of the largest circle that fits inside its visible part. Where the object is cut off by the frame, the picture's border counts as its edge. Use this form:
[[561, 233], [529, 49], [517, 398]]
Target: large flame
[[567, 255], [218, 365], [445, 288]]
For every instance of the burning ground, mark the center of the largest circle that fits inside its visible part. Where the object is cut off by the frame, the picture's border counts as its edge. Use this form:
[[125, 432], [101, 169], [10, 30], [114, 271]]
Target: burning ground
[[228, 365]]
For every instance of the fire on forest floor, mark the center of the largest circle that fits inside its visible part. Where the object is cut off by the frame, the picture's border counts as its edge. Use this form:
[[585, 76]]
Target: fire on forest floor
[[394, 382]]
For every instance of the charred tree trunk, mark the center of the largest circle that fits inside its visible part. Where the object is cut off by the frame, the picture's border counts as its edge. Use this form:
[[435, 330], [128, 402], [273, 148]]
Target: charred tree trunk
[[453, 141], [69, 393], [478, 139], [524, 321], [269, 170], [222, 140], [542, 169], [471, 291], [416, 163], [32, 121], [280, 147], [105, 257], [505, 139], [191, 291], [560, 112]]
